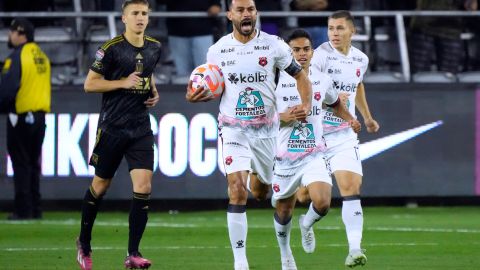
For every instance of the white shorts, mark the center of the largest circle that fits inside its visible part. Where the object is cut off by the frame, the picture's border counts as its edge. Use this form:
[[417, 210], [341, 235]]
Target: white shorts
[[344, 157], [243, 153], [286, 181]]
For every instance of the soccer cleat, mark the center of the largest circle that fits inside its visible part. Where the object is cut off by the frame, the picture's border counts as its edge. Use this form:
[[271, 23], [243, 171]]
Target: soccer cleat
[[135, 261], [308, 237], [288, 263], [355, 258], [241, 266], [84, 260]]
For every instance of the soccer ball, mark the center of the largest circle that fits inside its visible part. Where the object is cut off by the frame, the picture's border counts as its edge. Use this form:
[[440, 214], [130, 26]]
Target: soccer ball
[[210, 77]]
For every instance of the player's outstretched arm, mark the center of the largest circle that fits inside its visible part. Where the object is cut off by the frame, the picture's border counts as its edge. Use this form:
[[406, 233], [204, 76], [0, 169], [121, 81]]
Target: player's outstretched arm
[[96, 83], [201, 94], [340, 110], [362, 106], [304, 87]]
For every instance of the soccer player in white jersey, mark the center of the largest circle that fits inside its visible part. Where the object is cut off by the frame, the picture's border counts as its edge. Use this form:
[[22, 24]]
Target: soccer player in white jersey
[[299, 159], [248, 119], [346, 65]]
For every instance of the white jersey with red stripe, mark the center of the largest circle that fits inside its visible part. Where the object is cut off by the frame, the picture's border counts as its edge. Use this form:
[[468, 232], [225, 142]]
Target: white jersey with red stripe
[[298, 141], [347, 73], [248, 102]]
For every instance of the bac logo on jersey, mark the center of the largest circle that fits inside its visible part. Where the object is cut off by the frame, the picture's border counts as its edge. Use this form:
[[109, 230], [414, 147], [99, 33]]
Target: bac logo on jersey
[[334, 71], [317, 96], [229, 63], [358, 72], [357, 59], [262, 61]]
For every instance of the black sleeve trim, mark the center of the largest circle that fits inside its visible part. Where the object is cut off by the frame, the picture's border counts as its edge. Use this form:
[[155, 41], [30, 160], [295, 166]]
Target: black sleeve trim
[[335, 104]]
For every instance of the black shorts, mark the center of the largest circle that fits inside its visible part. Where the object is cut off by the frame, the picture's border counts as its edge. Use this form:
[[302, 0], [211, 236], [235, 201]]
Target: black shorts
[[110, 149]]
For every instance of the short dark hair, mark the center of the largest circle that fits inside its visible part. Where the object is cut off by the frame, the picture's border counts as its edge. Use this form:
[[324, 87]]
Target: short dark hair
[[339, 14], [299, 33], [230, 2], [23, 27], [129, 2]]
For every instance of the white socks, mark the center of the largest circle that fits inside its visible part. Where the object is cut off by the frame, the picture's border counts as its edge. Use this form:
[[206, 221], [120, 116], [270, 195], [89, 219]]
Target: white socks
[[311, 217], [237, 231], [352, 216], [283, 237]]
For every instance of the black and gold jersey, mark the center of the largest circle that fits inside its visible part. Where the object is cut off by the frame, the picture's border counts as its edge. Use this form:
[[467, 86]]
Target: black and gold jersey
[[123, 111]]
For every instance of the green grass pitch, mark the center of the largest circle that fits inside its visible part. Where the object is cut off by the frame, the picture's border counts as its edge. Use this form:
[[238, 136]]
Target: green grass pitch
[[395, 239]]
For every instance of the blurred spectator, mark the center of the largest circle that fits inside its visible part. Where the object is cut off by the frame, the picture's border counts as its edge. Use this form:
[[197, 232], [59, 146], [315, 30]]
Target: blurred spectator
[[438, 37], [317, 26], [25, 95], [190, 38]]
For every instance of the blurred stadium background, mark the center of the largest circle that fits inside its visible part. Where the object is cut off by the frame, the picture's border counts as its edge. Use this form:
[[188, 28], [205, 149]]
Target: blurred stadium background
[[427, 152]]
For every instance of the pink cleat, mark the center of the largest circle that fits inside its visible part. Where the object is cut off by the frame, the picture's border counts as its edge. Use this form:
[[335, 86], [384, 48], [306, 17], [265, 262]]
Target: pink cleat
[[136, 261], [85, 261]]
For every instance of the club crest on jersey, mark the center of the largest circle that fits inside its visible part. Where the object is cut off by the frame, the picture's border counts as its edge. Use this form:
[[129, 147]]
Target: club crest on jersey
[[99, 55], [228, 160], [262, 61], [358, 72], [276, 187], [317, 96]]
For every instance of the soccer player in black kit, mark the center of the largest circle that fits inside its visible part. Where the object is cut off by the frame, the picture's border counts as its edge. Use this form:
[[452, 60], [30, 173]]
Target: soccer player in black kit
[[123, 71]]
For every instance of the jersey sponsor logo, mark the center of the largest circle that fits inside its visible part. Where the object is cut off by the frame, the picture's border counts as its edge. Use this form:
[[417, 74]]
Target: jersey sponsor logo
[[245, 53], [316, 82], [262, 48], [246, 78], [358, 72], [288, 85], [250, 104], [332, 58], [316, 110], [340, 86], [329, 118], [346, 62], [357, 59], [334, 71], [302, 138], [228, 63], [228, 50], [99, 54], [317, 96], [262, 61]]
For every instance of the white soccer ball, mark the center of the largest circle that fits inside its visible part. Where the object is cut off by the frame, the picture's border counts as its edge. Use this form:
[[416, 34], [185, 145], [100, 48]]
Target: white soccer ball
[[210, 77]]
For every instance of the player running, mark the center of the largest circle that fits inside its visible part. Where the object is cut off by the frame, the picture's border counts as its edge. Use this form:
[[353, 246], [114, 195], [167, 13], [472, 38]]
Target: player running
[[299, 160], [347, 66], [248, 119], [123, 71]]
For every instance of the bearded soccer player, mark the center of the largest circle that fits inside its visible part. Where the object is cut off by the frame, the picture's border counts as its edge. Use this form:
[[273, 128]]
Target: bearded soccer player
[[346, 65], [299, 159], [248, 119], [122, 72]]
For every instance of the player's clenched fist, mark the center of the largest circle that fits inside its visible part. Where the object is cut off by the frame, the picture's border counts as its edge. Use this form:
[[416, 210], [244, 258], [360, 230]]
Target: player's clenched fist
[[132, 81], [355, 125]]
